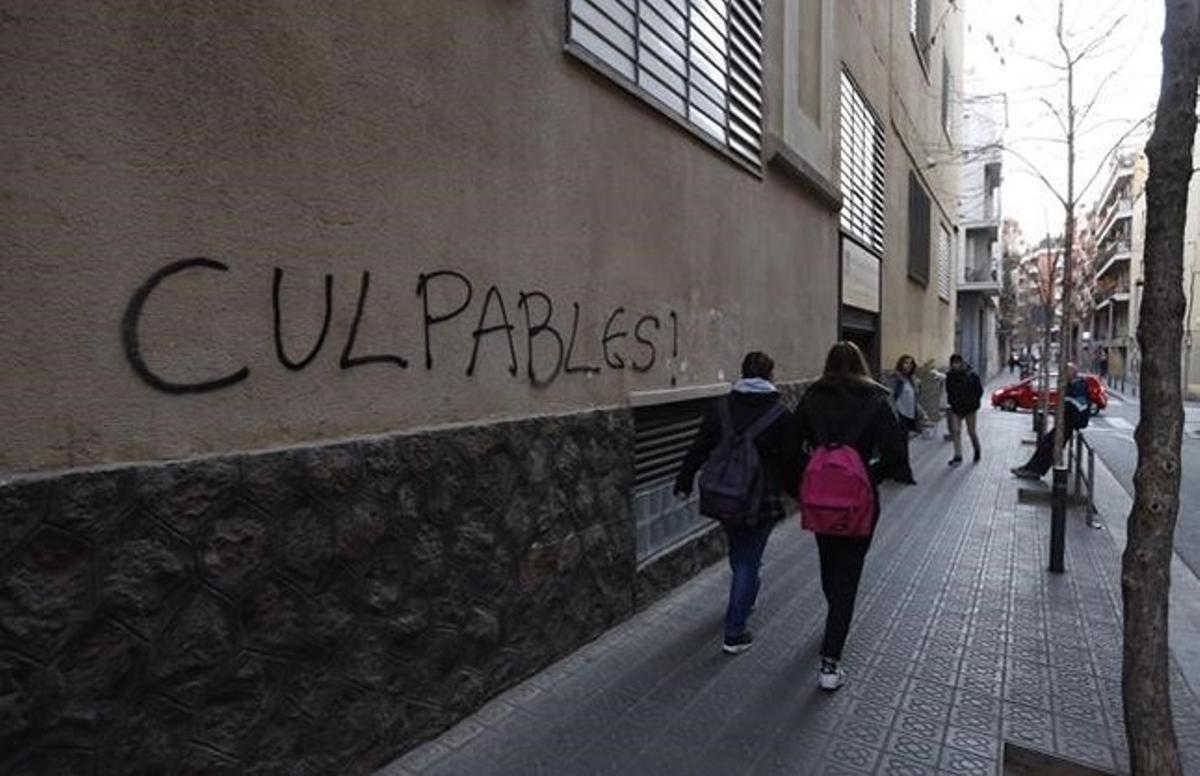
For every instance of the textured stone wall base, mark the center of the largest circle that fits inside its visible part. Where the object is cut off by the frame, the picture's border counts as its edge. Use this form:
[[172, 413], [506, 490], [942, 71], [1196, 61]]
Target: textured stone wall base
[[316, 610]]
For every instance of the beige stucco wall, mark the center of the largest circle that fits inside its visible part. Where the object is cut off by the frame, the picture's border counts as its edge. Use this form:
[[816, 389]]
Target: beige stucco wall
[[398, 138], [915, 318]]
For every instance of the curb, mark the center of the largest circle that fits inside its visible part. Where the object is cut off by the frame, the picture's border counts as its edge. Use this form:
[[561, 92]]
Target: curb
[[1115, 504]]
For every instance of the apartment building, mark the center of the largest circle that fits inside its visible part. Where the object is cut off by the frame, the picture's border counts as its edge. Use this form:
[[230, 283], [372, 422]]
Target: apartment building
[[1113, 290], [352, 349], [980, 243]]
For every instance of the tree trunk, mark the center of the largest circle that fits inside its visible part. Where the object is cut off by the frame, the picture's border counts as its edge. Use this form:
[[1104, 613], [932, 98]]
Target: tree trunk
[[1146, 563], [1064, 331]]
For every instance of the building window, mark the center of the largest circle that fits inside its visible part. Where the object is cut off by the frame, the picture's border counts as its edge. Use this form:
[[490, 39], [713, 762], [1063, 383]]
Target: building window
[[919, 229], [699, 61], [918, 26], [945, 264], [862, 168], [946, 84], [663, 433]]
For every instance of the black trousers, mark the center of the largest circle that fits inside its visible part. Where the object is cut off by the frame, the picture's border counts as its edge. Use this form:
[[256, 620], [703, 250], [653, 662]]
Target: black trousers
[[842, 561], [1043, 456]]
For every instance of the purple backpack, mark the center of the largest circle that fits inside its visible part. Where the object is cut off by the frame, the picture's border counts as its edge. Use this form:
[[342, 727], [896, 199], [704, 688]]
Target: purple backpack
[[836, 494], [732, 481]]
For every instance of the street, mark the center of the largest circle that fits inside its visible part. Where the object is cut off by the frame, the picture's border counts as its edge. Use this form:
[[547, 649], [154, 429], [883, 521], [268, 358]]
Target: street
[[1111, 434]]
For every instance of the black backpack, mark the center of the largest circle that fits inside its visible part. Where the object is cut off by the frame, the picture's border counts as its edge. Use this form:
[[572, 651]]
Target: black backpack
[[732, 480]]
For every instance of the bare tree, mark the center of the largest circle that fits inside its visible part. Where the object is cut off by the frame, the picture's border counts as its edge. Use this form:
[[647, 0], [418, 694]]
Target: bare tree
[[1146, 563]]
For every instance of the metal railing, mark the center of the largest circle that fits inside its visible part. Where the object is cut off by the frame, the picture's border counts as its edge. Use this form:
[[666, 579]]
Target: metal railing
[[1075, 462]]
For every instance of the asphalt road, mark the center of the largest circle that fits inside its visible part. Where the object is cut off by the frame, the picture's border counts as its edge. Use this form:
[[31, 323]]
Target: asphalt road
[[1111, 434]]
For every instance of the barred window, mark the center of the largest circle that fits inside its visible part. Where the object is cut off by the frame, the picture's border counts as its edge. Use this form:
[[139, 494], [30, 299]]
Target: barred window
[[862, 168], [919, 23], [945, 262], [946, 85], [699, 61], [919, 229]]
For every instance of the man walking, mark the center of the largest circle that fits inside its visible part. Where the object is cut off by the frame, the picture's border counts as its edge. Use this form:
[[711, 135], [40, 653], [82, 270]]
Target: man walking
[[964, 390]]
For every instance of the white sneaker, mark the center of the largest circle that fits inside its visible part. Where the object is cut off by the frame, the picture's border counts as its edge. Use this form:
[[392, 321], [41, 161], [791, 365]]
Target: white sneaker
[[831, 680]]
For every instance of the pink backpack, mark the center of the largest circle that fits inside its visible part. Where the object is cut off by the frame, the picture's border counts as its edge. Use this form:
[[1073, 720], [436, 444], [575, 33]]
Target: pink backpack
[[836, 494]]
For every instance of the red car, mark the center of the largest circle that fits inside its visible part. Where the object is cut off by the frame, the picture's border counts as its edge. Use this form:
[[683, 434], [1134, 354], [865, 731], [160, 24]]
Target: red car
[[1024, 395]]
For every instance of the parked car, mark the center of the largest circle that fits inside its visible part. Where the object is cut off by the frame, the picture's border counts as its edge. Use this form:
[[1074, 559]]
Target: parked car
[[1024, 395]]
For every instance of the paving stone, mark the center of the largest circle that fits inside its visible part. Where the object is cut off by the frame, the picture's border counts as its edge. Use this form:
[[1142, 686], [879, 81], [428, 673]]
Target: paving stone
[[962, 641]]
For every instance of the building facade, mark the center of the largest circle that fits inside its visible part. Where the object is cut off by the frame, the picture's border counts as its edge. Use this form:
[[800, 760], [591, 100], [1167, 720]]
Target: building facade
[[1113, 327], [353, 350], [901, 65], [980, 238]]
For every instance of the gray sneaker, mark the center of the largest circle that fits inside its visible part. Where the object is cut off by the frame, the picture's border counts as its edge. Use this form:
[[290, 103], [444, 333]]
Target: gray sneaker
[[738, 644], [831, 680]]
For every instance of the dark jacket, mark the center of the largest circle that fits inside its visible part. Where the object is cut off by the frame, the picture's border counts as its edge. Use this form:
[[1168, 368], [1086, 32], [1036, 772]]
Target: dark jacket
[[832, 411], [775, 448], [963, 391]]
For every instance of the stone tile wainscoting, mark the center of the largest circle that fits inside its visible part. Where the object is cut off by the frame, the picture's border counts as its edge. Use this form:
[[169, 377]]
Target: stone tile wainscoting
[[310, 610]]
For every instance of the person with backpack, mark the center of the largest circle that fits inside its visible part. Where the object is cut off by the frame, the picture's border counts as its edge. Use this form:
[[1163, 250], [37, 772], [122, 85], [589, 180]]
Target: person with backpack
[[842, 421], [964, 391], [1076, 415], [742, 454]]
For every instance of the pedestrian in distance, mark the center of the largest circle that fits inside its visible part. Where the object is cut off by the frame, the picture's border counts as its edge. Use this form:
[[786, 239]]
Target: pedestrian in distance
[[1076, 414], [841, 423], [906, 394], [964, 391], [906, 402], [745, 455]]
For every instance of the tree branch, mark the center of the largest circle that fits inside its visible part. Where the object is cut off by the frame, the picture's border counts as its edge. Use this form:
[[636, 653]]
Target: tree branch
[[1112, 149], [1033, 169]]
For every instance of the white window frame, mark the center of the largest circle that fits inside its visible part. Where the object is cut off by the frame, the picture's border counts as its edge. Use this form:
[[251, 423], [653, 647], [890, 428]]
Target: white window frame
[[945, 258], [862, 169], [697, 61]]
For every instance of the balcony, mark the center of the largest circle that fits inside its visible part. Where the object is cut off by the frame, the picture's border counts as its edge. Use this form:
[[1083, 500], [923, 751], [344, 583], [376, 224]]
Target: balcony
[[1112, 293], [1121, 208], [979, 279], [1110, 255]]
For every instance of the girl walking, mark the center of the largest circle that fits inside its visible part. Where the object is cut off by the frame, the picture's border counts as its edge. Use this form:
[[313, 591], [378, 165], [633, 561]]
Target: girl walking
[[846, 407]]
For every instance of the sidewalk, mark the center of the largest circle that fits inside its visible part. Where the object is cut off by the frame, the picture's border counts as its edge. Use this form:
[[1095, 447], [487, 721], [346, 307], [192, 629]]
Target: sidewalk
[[961, 640]]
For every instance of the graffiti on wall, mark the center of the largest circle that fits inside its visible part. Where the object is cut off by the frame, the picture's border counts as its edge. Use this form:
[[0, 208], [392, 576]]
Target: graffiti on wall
[[543, 336]]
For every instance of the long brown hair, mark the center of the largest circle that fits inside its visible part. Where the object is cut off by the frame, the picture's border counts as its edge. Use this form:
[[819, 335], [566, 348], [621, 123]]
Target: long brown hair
[[900, 365], [845, 363]]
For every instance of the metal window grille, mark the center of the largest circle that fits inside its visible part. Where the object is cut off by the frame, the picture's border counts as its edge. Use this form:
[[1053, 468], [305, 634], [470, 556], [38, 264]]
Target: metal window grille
[[697, 60], [862, 168], [919, 229], [946, 83], [918, 23], [662, 435], [945, 269]]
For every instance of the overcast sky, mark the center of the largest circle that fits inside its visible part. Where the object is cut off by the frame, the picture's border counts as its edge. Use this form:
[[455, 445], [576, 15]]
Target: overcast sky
[[1009, 47]]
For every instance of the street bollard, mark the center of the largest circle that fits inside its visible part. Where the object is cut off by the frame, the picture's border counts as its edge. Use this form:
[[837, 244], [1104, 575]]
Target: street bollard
[[1077, 459], [1058, 519], [1091, 497]]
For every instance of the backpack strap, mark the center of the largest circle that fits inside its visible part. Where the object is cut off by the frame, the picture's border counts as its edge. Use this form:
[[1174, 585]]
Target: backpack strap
[[765, 420], [754, 429]]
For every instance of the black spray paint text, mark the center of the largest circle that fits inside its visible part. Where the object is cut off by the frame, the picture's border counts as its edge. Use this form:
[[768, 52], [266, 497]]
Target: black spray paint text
[[528, 324]]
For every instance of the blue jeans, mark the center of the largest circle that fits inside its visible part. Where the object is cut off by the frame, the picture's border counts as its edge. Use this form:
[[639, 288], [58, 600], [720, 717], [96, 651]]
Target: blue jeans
[[746, 545]]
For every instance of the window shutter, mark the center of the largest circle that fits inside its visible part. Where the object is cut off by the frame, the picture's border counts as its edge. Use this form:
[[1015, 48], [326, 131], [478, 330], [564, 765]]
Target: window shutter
[[697, 60], [862, 168], [945, 262]]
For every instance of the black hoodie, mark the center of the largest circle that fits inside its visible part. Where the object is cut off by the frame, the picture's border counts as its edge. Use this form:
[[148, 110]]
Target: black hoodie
[[833, 410]]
